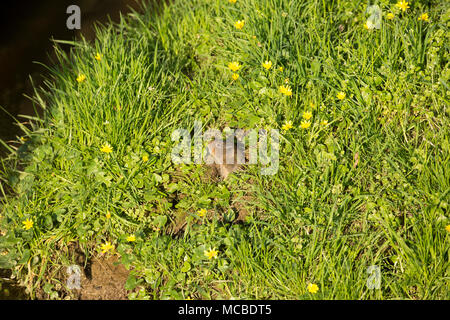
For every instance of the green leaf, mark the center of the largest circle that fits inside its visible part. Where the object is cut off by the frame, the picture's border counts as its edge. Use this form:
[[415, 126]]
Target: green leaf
[[48, 288], [186, 267], [204, 201], [48, 222], [181, 277], [223, 265], [230, 215], [9, 240], [315, 67], [157, 177], [6, 262], [160, 221], [131, 283], [172, 187], [199, 253]]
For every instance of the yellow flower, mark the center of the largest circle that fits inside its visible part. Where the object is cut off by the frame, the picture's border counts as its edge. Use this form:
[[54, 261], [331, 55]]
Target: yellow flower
[[107, 246], [307, 115], [235, 76], [324, 122], [447, 228], [234, 66], [312, 288], [23, 139], [131, 238], [280, 69], [106, 148], [98, 56], [239, 24], [144, 158], [423, 17], [287, 125], [390, 16], [369, 25], [201, 212], [267, 65], [27, 224], [341, 95], [108, 215], [232, 1], [81, 78], [286, 90], [305, 124], [211, 253], [403, 5], [286, 80]]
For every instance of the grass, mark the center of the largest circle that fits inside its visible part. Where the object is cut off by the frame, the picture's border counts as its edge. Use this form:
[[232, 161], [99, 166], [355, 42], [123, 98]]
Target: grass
[[371, 187]]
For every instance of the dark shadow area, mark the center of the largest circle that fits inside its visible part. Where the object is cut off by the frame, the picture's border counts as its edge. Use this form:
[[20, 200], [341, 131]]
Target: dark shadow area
[[27, 29], [9, 289]]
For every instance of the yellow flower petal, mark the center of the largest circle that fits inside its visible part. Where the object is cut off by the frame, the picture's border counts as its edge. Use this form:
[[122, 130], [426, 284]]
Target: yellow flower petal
[[211, 253], [98, 56], [423, 17], [305, 124], [287, 125], [267, 65], [27, 224], [239, 24], [286, 90], [312, 288], [341, 95], [107, 246], [106, 148], [234, 66], [403, 5], [201, 212], [307, 115], [81, 78]]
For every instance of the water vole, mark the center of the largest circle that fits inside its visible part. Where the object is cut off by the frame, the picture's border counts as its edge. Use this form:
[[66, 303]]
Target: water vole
[[227, 157]]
